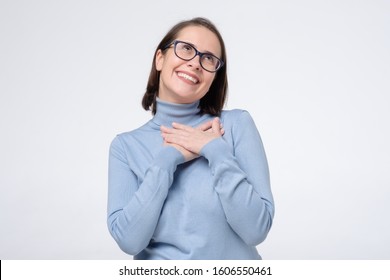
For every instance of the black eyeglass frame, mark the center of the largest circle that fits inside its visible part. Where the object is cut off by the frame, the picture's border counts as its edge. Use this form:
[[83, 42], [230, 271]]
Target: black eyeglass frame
[[201, 54]]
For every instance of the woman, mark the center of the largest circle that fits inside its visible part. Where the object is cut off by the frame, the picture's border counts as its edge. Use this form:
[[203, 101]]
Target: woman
[[193, 182]]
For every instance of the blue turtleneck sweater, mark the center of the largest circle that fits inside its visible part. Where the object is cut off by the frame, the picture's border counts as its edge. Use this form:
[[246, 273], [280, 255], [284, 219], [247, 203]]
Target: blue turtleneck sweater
[[218, 206]]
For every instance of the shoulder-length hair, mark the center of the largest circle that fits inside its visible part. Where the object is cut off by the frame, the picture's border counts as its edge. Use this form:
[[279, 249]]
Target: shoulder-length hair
[[214, 100]]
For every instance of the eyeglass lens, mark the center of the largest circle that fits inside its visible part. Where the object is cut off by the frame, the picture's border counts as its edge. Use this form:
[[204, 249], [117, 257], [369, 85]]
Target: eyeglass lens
[[187, 52]]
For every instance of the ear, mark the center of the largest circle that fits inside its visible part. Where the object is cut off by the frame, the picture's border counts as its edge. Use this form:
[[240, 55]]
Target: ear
[[159, 60]]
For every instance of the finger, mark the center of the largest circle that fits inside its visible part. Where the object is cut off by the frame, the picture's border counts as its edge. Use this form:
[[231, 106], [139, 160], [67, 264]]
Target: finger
[[216, 126], [211, 130], [168, 130], [175, 139], [175, 136], [205, 126], [165, 129], [167, 137], [181, 126]]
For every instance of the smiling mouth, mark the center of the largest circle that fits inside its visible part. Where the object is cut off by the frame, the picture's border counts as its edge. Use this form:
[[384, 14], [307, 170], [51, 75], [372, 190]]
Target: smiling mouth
[[187, 77]]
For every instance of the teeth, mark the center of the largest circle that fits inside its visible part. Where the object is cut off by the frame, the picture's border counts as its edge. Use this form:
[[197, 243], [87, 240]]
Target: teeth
[[188, 77]]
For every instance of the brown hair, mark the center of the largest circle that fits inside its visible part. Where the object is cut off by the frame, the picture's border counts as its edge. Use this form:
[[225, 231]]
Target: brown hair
[[214, 100]]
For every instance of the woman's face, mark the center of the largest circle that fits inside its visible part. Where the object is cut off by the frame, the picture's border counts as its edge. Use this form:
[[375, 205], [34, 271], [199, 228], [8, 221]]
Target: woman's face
[[186, 81]]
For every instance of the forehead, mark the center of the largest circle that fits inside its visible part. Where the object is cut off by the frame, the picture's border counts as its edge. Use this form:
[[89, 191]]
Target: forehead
[[202, 38]]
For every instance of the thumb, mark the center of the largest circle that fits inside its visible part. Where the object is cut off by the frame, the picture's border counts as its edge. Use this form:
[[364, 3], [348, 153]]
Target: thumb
[[216, 126], [205, 126]]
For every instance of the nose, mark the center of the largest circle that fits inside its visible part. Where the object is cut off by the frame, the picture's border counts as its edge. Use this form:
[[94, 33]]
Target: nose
[[195, 63]]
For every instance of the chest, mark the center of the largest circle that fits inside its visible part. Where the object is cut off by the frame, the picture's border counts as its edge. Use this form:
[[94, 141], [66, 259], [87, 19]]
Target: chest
[[192, 205]]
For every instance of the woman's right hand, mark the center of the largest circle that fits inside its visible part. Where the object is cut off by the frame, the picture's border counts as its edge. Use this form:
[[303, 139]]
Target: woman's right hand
[[188, 155]]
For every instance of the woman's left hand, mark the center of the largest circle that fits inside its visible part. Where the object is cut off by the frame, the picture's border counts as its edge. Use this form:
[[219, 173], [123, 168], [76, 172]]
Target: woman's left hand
[[192, 139]]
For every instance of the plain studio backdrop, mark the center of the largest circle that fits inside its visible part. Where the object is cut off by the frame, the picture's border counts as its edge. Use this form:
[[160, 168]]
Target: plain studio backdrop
[[313, 74]]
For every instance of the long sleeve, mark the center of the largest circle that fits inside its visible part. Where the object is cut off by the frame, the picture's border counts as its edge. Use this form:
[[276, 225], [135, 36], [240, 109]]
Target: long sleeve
[[134, 205], [241, 179]]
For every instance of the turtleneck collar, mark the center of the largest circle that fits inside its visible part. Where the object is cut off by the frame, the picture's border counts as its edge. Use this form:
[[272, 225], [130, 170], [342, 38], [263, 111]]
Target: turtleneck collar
[[167, 112]]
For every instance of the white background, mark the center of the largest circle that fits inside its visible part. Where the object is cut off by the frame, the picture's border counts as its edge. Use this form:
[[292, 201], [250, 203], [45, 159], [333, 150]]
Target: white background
[[313, 74]]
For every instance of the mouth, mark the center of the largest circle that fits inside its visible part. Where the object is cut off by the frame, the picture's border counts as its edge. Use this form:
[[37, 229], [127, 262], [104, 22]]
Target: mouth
[[188, 77]]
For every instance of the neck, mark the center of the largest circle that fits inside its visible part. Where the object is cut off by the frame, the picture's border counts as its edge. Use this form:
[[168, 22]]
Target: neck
[[167, 112]]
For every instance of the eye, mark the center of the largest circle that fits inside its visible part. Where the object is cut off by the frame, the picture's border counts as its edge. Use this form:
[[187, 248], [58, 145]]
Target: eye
[[209, 58], [186, 47]]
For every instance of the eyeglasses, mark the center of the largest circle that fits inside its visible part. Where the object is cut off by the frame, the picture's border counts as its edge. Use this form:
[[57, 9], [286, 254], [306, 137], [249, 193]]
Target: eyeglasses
[[187, 52]]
